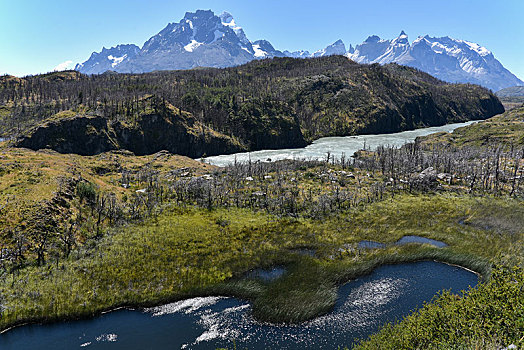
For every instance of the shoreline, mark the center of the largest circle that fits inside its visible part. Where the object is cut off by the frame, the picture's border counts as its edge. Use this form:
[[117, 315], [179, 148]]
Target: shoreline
[[258, 155], [210, 293]]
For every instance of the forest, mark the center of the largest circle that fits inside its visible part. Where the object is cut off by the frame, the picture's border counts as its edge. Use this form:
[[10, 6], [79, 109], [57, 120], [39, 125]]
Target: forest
[[82, 233], [275, 103]]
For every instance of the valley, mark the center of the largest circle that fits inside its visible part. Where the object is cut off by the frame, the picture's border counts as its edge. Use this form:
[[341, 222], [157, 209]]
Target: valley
[[117, 230], [208, 191]]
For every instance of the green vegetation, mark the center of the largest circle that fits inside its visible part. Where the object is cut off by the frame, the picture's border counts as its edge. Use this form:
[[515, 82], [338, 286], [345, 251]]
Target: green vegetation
[[187, 252], [505, 130], [489, 317], [278, 103], [53, 203], [84, 234], [81, 235]]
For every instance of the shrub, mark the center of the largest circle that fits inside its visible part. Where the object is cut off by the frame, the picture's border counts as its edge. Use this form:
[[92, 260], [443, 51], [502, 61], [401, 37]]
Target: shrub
[[86, 191]]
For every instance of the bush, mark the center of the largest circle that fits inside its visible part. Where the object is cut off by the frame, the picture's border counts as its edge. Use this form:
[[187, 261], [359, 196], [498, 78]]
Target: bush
[[86, 191]]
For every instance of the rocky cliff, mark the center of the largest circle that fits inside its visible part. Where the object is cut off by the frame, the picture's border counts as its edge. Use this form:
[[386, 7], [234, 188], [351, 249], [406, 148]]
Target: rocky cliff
[[171, 130]]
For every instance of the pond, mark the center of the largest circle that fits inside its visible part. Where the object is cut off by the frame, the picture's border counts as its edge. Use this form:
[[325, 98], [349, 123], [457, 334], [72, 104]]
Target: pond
[[335, 145], [364, 304], [421, 240], [267, 275], [404, 240]]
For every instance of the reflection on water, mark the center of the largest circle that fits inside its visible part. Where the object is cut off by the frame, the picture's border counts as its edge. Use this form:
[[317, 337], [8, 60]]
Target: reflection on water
[[335, 145], [403, 240], [364, 304], [421, 240], [267, 275]]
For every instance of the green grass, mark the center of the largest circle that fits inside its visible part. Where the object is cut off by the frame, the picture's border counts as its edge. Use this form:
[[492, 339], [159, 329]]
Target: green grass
[[187, 252], [504, 129]]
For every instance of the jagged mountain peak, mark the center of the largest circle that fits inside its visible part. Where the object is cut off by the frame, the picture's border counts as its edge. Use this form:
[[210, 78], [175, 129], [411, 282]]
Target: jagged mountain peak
[[199, 14], [337, 48], [226, 17], [109, 58], [446, 58], [204, 39], [227, 20], [199, 39], [372, 39], [264, 49], [402, 39]]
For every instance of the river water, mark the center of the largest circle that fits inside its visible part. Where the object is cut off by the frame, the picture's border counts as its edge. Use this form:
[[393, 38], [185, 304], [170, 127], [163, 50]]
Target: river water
[[363, 306], [335, 145]]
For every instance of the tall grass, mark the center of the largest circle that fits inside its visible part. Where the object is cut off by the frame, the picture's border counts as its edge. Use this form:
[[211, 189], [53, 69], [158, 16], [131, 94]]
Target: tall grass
[[187, 252]]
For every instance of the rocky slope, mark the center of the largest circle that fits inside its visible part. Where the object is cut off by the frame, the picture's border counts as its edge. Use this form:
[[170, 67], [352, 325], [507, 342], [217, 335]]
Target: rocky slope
[[170, 129], [265, 104], [203, 39], [449, 59]]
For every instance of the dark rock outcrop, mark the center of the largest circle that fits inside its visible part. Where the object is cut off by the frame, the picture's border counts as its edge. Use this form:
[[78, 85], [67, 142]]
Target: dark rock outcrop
[[84, 135], [88, 135]]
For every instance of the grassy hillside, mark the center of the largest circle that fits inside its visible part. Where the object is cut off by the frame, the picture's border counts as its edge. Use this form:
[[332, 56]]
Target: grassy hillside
[[512, 97], [85, 234], [491, 316], [505, 130], [275, 103]]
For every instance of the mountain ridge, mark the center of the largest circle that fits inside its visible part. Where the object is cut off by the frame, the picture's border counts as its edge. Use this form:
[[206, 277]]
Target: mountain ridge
[[204, 39], [449, 59], [264, 104]]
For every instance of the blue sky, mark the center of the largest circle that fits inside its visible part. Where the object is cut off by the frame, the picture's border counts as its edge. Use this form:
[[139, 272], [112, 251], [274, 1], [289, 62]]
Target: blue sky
[[36, 36]]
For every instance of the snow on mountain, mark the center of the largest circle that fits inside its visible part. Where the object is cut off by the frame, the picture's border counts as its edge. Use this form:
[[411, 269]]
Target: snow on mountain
[[297, 54], [371, 49], [108, 59], [228, 21], [201, 38], [264, 49], [337, 48], [449, 59], [396, 49], [204, 39]]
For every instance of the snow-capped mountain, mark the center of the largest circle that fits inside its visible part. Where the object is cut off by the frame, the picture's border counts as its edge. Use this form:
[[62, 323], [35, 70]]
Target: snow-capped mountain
[[199, 39], [264, 49], [297, 54], [203, 39], [337, 48], [108, 59], [449, 59]]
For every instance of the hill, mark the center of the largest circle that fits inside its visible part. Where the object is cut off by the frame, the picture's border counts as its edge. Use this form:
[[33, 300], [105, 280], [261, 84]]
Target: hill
[[512, 97], [502, 130], [514, 91], [273, 103]]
